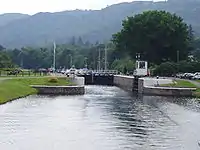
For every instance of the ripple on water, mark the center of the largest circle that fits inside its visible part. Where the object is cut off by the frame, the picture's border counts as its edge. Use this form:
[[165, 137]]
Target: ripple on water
[[105, 118]]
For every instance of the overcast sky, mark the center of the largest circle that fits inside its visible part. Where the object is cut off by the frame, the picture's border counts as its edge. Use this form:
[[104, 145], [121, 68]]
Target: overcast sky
[[34, 6]]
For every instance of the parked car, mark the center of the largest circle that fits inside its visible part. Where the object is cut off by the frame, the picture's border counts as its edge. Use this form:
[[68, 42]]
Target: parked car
[[196, 77]]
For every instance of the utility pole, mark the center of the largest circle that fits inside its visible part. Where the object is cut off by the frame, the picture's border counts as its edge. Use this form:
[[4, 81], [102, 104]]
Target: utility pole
[[71, 61], [54, 56], [178, 60], [99, 61], [22, 62], [86, 62], [105, 58]]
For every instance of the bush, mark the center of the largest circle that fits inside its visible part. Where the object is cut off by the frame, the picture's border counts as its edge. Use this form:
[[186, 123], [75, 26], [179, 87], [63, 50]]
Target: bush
[[53, 80], [171, 68]]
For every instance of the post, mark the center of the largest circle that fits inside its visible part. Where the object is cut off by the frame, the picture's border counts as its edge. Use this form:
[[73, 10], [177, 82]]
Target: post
[[54, 58], [71, 61], [86, 62], [105, 59], [22, 61], [99, 62]]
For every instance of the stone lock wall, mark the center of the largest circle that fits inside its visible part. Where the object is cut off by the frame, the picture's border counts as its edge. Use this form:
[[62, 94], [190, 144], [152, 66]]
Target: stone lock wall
[[148, 86], [60, 90], [124, 82]]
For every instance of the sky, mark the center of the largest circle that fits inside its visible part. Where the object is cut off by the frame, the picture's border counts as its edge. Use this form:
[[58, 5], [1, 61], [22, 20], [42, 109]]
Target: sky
[[34, 6]]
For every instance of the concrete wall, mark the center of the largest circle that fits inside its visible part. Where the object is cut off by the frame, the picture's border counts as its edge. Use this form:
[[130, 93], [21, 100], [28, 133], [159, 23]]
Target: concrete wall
[[60, 90], [124, 82], [147, 86], [78, 81], [167, 91], [154, 81]]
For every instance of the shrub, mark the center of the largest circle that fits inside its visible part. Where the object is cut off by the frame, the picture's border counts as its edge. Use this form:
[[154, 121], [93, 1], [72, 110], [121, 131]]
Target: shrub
[[53, 80]]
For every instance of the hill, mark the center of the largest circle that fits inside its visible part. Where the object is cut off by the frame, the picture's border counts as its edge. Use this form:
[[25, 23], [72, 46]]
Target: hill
[[43, 28], [8, 18]]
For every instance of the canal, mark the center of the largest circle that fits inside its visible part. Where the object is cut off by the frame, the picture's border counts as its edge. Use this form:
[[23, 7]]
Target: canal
[[105, 118]]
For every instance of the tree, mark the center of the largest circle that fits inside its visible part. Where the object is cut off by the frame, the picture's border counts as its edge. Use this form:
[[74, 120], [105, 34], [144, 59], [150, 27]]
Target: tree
[[72, 41], [80, 41], [1, 48], [5, 60], [156, 35], [123, 65]]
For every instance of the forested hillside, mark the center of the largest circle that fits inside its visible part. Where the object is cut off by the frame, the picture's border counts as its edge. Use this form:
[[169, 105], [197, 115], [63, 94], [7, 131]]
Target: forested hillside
[[43, 28]]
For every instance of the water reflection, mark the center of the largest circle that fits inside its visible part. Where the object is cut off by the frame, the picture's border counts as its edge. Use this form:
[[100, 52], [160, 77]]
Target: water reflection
[[106, 118]]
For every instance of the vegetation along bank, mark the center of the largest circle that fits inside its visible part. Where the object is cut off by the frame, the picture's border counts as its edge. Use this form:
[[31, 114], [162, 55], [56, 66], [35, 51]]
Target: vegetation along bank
[[15, 88], [186, 84]]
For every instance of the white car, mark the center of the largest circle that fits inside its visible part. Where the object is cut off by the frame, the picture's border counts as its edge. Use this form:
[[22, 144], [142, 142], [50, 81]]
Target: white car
[[196, 77]]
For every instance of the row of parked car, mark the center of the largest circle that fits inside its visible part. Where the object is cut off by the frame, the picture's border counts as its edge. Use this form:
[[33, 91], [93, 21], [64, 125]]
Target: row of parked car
[[190, 76]]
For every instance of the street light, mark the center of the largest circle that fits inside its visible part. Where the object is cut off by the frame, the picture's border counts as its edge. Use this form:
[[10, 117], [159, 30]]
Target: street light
[[22, 60], [54, 57]]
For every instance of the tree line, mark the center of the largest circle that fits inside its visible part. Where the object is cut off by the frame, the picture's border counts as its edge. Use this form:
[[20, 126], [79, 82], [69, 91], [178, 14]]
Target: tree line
[[158, 36]]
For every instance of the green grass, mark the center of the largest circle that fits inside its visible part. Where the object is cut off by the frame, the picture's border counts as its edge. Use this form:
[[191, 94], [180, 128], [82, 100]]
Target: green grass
[[184, 84], [20, 87], [197, 93], [180, 83]]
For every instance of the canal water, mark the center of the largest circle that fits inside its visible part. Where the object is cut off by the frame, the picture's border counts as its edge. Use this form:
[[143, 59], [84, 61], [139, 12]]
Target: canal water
[[105, 118]]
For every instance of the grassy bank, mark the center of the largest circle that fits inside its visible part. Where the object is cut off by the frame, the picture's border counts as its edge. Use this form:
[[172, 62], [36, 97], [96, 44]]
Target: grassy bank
[[184, 84], [20, 87], [180, 83]]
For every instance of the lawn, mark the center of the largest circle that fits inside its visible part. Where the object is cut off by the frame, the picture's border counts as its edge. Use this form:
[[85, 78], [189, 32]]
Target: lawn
[[20, 87], [180, 83], [184, 84]]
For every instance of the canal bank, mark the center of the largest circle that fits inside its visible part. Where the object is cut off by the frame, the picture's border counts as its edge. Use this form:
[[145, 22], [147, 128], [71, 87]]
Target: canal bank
[[11, 89], [151, 86]]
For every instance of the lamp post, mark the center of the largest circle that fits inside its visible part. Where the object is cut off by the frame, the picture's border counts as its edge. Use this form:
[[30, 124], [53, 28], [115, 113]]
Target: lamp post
[[54, 57], [22, 59], [99, 61], [105, 58]]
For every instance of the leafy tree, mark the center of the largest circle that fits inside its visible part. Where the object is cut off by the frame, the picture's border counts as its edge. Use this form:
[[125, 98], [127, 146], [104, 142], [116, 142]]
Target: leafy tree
[[5, 60], [80, 41], [1, 48], [123, 65], [72, 41], [156, 35]]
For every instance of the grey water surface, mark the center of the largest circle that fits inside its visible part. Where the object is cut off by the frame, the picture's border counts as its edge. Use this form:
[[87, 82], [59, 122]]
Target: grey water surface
[[105, 118]]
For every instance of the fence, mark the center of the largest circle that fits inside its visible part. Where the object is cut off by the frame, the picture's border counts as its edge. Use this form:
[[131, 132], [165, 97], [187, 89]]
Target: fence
[[22, 73]]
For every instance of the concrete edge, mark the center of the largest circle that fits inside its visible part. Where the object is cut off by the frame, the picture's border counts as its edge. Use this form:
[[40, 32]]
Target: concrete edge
[[43, 86], [59, 90], [170, 88]]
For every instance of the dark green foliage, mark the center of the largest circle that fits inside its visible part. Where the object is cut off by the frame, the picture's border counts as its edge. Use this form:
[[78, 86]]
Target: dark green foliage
[[171, 68], [1, 48], [66, 56], [156, 35], [5, 60]]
